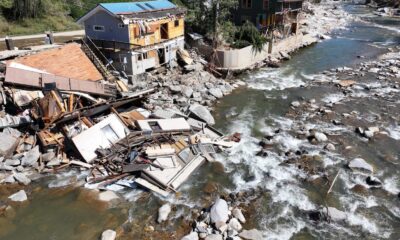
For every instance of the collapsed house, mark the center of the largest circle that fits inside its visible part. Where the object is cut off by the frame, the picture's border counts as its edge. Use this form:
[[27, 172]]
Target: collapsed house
[[60, 108], [136, 36]]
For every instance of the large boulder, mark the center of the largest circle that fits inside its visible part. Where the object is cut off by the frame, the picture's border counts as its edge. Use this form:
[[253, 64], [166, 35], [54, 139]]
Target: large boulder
[[252, 234], [202, 113], [219, 211], [8, 144], [320, 137], [163, 212], [22, 178], [360, 164], [334, 214], [235, 224], [31, 157], [237, 213], [191, 236], [214, 237], [108, 235], [19, 196], [216, 92]]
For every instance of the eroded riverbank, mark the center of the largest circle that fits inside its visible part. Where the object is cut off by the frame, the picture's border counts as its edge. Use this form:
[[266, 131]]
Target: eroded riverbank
[[277, 196]]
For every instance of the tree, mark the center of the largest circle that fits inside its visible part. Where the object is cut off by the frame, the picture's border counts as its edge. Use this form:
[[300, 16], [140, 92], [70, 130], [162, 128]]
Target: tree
[[247, 35], [27, 9]]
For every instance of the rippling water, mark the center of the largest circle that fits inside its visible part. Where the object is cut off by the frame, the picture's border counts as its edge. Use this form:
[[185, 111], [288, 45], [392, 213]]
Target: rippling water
[[257, 110]]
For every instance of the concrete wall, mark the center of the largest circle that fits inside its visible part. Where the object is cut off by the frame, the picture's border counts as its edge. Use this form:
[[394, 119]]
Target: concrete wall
[[239, 58], [112, 32]]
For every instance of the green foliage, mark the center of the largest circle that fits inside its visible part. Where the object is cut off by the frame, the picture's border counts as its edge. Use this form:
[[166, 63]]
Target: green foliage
[[250, 35]]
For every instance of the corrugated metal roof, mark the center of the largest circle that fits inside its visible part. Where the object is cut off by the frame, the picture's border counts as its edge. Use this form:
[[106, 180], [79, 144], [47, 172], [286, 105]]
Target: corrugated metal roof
[[135, 7]]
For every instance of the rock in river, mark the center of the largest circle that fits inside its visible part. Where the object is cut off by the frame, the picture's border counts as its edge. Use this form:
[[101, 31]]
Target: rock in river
[[191, 236], [235, 224], [252, 234], [214, 237], [237, 213], [202, 113], [320, 137], [31, 157], [22, 178], [335, 214], [219, 211], [373, 182], [19, 196], [108, 235], [163, 212], [360, 164], [216, 92]]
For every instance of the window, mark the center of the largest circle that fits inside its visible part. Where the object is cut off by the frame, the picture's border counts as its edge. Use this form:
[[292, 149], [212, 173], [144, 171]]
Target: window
[[154, 126], [176, 23], [246, 3], [265, 4], [121, 25], [98, 28], [109, 133]]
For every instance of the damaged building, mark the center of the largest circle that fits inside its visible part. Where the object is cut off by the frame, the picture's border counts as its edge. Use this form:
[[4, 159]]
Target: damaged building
[[136, 36], [270, 14]]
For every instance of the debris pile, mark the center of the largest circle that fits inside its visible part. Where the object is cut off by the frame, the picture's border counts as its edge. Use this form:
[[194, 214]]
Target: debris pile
[[50, 122]]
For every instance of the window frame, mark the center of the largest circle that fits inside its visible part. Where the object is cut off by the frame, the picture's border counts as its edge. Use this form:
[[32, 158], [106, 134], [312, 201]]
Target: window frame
[[265, 4], [102, 28], [247, 4]]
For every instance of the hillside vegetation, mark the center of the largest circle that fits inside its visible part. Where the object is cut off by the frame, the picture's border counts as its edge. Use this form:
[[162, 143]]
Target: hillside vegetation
[[18, 17]]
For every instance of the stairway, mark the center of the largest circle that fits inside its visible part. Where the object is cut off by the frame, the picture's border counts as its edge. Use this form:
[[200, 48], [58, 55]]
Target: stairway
[[89, 48]]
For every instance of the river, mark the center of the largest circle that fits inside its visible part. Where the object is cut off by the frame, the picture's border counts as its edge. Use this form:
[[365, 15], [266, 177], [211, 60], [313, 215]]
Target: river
[[256, 110]]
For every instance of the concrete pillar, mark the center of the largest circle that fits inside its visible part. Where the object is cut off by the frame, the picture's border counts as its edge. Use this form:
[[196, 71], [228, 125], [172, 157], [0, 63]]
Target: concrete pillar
[[9, 43]]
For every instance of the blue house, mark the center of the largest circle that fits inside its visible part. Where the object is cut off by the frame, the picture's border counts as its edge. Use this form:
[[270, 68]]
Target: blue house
[[137, 36]]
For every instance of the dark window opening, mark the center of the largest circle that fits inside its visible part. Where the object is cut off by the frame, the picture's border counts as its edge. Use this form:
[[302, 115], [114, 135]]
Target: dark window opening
[[176, 23], [246, 3]]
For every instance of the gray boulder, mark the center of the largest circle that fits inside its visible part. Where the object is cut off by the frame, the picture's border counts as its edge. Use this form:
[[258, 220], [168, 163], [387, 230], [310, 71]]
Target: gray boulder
[[216, 92], [202, 113], [19, 196], [320, 137], [31, 157], [214, 237], [175, 89], [237, 213], [219, 211], [163, 212], [12, 162], [191, 236], [235, 224], [187, 91], [335, 214], [108, 235], [8, 144], [360, 164], [22, 178], [252, 234]]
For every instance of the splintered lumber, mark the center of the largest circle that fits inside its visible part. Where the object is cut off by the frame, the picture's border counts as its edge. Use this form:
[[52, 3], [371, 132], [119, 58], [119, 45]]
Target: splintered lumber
[[333, 183], [131, 168], [59, 103], [71, 102], [81, 164], [150, 186]]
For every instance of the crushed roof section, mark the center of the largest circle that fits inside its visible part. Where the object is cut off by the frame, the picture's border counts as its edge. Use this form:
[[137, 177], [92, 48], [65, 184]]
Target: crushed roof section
[[66, 61], [137, 7]]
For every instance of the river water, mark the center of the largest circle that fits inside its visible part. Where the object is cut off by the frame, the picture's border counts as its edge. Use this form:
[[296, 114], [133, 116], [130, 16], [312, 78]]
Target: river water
[[256, 110]]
